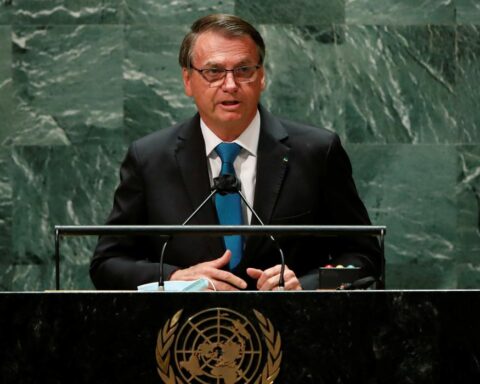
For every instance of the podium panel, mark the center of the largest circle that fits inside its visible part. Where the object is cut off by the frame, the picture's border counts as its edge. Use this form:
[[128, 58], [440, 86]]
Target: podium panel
[[249, 337]]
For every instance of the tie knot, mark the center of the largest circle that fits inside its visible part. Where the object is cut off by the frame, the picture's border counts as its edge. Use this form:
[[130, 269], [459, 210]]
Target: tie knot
[[228, 151]]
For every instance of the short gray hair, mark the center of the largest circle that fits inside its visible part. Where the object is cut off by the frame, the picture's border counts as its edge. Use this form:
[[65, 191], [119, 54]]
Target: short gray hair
[[228, 25]]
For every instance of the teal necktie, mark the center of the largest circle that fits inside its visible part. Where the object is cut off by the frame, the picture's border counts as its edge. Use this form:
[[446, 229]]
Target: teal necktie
[[229, 207]]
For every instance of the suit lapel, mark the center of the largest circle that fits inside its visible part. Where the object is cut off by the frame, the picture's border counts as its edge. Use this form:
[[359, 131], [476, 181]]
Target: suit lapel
[[192, 165], [272, 164]]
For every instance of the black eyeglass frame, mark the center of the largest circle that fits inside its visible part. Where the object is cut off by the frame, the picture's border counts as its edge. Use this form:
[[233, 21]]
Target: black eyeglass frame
[[225, 71]]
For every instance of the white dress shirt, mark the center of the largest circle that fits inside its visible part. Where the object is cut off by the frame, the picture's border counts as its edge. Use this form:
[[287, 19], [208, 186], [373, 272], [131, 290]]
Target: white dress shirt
[[245, 164]]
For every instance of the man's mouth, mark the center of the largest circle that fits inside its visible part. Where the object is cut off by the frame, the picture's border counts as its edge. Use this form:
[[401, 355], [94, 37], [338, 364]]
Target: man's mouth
[[230, 102]]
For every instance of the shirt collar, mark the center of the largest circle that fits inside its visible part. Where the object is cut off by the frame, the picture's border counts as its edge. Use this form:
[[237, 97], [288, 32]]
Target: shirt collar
[[248, 140]]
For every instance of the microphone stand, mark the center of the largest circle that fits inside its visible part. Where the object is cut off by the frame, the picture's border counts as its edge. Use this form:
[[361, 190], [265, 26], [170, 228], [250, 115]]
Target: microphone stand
[[224, 184]]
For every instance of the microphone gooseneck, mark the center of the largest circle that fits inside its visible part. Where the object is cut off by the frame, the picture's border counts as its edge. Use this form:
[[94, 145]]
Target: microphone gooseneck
[[161, 281]]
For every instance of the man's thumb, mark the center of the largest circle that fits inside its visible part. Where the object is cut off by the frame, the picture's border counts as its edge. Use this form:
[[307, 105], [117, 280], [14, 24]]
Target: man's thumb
[[222, 260]]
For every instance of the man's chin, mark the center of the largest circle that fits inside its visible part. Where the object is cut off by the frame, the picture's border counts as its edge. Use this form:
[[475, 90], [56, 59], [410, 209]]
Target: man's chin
[[229, 117]]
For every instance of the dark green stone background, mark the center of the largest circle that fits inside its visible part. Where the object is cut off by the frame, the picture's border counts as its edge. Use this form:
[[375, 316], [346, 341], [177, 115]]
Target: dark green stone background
[[399, 82]]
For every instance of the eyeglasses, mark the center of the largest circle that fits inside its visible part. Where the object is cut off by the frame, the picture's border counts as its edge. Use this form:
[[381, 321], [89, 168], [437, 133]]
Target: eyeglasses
[[215, 76]]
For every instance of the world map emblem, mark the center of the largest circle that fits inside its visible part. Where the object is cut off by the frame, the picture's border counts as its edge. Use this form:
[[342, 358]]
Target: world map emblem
[[220, 346]]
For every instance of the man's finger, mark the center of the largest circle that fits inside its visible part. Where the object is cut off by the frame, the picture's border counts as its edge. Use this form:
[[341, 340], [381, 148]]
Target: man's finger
[[228, 277], [270, 284], [267, 274], [222, 286], [221, 261], [254, 273]]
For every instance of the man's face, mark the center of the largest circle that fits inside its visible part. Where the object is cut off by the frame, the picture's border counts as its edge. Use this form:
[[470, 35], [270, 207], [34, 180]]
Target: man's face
[[229, 108]]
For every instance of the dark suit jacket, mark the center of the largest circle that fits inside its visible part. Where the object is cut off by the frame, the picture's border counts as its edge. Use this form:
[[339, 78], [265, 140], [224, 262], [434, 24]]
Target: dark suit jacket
[[303, 177]]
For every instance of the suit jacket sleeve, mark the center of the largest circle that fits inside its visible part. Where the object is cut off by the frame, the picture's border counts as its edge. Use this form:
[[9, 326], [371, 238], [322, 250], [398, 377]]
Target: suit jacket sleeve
[[124, 262], [341, 205], [346, 208]]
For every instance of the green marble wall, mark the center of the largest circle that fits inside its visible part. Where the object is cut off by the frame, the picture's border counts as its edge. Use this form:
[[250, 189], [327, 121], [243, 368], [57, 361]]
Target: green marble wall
[[399, 80]]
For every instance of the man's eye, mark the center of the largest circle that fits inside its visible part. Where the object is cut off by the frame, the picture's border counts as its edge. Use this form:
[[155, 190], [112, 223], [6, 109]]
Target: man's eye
[[213, 71], [243, 69]]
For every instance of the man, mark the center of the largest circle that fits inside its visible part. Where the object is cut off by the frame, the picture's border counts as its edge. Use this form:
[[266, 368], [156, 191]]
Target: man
[[291, 174]]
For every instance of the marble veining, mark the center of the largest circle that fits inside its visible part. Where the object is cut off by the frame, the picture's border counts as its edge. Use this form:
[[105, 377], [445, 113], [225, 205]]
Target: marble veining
[[173, 12], [400, 12], [401, 83], [468, 11], [75, 86], [299, 12], [62, 11]]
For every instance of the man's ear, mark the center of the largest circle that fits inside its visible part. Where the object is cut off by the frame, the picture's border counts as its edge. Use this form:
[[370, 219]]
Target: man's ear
[[262, 80], [186, 75]]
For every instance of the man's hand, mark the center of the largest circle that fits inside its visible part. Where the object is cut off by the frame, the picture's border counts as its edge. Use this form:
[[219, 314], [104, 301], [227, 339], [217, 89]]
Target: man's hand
[[223, 280], [268, 279]]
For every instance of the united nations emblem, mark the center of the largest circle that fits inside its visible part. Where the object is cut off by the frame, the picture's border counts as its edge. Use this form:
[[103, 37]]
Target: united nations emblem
[[218, 345]]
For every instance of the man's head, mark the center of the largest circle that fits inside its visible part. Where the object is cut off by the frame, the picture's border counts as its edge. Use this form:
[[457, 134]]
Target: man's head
[[221, 59], [227, 25]]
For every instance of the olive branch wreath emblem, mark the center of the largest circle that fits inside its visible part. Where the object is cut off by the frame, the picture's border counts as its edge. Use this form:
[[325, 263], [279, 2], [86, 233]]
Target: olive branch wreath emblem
[[166, 337]]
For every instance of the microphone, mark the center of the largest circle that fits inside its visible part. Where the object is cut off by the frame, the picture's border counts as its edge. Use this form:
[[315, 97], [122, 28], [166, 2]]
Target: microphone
[[223, 184], [226, 184]]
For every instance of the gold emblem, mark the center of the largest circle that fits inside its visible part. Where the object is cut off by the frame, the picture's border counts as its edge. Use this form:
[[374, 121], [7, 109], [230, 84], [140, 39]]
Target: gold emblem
[[220, 346]]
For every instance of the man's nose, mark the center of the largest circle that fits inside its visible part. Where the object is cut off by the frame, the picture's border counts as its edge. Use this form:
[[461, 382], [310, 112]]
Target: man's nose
[[229, 83]]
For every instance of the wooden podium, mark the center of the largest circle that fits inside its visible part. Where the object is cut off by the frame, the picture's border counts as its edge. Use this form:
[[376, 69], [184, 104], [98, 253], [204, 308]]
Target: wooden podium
[[292, 337]]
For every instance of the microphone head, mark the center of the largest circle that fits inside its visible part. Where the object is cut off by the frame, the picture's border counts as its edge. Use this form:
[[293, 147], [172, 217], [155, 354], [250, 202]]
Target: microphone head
[[226, 184]]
